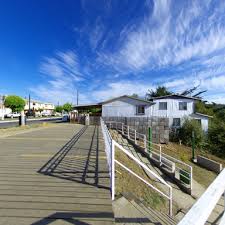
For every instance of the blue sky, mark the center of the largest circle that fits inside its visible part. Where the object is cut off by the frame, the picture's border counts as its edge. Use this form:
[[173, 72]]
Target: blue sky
[[106, 48]]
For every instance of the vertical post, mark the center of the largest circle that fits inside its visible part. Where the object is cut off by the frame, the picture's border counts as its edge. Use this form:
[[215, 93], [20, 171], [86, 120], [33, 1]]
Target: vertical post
[[160, 155], [193, 145], [191, 180], [110, 125], [171, 202], [135, 137], [145, 146], [122, 129], [149, 139], [128, 132], [113, 170]]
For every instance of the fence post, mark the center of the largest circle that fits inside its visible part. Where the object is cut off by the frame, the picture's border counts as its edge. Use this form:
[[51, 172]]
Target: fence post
[[122, 129], [171, 203], [145, 143], [135, 137], [160, 155], [193, 145], [191, 180], [113, 170], [149, 139], [128, 132]]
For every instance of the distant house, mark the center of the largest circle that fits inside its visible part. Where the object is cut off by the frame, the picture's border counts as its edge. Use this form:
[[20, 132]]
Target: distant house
[[38, 106], [175, 107]]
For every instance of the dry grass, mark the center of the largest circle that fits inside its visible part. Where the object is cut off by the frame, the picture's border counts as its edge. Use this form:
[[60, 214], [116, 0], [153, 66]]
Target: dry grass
[[126, 182], [20, 129], [184, 153]]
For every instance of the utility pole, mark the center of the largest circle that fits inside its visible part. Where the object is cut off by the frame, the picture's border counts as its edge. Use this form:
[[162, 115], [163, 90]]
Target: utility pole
[[77, 97], [29, 105]]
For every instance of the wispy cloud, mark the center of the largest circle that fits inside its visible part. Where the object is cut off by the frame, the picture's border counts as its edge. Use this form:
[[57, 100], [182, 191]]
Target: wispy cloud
[[170, 35], [62, 74]]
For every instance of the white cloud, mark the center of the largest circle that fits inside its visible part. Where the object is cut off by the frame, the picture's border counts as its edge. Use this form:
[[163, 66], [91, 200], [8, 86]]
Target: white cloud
[[172, 34], [62, 74], [123, 87]]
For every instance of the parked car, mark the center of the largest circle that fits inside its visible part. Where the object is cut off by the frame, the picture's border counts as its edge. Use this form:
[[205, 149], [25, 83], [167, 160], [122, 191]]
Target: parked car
[[13, 115], [46, 114]]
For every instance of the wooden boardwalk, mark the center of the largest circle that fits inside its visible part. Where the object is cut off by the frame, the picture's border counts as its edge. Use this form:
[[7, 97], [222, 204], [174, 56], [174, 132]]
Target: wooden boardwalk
[[55, 175]]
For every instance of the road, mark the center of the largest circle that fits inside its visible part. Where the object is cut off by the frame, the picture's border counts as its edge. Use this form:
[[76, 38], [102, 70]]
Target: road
[[15, 122]]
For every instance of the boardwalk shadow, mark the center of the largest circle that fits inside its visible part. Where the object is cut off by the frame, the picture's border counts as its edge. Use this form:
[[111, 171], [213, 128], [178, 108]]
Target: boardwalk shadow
[[75, 218], [78, 160]]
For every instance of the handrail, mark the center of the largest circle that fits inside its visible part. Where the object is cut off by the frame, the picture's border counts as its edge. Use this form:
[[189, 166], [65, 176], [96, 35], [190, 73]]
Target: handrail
[[135, 136], [201, 210], [112, 159]]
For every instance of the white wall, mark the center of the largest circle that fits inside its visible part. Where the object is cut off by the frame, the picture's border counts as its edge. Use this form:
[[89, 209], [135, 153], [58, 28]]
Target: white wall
[[5, 111], [124, 107], [204, 121]]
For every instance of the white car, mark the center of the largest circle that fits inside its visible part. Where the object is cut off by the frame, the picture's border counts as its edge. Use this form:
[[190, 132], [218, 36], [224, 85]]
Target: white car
[[13, 115], [46, 114]]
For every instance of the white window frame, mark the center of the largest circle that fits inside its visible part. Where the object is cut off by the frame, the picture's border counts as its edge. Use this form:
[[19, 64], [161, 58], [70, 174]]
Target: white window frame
[[164, 103], [137, 110]]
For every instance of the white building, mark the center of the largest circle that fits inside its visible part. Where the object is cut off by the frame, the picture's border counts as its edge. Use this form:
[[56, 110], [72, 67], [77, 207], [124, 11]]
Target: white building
[[174, 107], [38, 106]]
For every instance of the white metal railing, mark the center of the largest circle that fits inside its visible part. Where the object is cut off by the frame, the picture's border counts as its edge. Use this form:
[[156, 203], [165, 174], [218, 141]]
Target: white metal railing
[[201, 210], [172, 164], [110, 145]]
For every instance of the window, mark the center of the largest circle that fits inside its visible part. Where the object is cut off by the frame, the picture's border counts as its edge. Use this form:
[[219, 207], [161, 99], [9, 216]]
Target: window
[[162, 105], [182, 105], [140, 109], [176, 122]]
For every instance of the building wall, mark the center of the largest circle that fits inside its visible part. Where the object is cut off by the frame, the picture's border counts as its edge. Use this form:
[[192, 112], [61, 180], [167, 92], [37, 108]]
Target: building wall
[[124, 107], [4, 111], [204, 121], [160, 126], [36, 106], [173, 109]]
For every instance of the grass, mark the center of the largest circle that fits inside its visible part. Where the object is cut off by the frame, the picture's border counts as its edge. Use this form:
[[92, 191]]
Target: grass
[[18, 129], [184, 153], [126, 182]]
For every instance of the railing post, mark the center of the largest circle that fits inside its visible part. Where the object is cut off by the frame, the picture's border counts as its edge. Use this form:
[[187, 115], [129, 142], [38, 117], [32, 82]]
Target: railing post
[[171, 203], [191, 180], [145, 143], [122, 129], [113, 170], [135, 137], [160, 155], [128, 132]]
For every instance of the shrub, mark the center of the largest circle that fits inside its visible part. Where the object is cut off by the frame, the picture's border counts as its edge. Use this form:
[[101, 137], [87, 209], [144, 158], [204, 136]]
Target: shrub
[[185, 133]]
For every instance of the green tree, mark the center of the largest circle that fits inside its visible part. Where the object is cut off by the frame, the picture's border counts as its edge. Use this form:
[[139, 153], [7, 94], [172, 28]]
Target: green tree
[[160, 91], [59, 108], [67, 107], [216, 137], [15, 103], [201, 107]]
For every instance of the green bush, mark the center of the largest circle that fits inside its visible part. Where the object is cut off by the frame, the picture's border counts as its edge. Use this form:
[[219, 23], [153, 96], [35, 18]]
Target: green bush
[[185, 133], [216, 137]]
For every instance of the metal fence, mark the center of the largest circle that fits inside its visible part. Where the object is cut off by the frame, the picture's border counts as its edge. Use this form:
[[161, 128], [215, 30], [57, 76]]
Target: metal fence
[[110, 146], [180, 170], [201, 210]]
